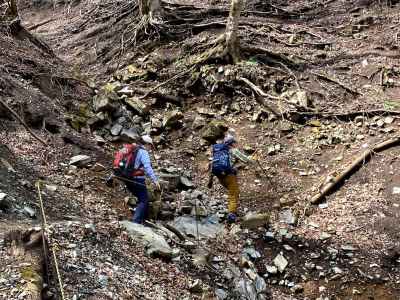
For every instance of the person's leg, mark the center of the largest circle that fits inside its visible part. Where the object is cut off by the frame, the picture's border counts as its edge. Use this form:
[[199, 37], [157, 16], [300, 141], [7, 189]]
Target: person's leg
[[233, 193], [231, 184], [140, 191]]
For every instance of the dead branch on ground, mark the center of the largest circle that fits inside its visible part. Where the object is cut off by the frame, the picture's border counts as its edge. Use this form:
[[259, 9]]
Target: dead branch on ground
[[18, 118], [363, 158], [350, 90]]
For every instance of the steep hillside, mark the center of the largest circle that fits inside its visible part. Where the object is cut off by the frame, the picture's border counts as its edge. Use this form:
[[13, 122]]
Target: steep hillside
[[316, 86]]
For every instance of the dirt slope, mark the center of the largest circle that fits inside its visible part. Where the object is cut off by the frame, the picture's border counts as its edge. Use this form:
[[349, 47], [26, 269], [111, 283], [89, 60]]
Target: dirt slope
[[342, 54]]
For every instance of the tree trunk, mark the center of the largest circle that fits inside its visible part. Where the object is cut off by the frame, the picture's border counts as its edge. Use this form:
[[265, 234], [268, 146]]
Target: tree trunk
[[150, 8], [231, 36]]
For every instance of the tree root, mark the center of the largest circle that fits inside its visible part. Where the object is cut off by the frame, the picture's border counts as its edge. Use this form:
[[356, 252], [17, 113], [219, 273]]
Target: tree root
[[350, 90], [360, 160]]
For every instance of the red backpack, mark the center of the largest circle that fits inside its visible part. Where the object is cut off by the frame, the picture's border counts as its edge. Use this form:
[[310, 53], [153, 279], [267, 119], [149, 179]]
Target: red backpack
[[124, 161]]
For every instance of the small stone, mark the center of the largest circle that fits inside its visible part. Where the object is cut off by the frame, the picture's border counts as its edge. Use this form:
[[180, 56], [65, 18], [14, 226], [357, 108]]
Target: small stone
[[271, 269], [30, 212], [287, 216], [388, 120], [221, 294], [380, 123], [288, 248], [269, 236], [51, 188], [98, 167], [396, 190], [323, 205], [348, 248], [254, 220], [80, 160], [337, 270], [325, 236], [196, 287], [298, 288], [116, 129], [280, 262], [314, 225]]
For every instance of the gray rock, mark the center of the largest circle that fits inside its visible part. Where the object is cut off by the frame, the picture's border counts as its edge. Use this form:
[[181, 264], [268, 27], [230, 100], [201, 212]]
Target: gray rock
[[170, 182], [214, 131], [156, 244], [186, 183], [198, 122], [172, 118], [30, 212], [80, 160], [4, 203], [104, 103], [348, 248], [261, 286], [196, 287], [252, 253], [254, 220], [272, 269], [245, 289], [116, 129], [130, 135], [280, 262], [221, 294], [269, 236], [51, 188], [325, 236], [287, 216], [207, 227], [136, 105]]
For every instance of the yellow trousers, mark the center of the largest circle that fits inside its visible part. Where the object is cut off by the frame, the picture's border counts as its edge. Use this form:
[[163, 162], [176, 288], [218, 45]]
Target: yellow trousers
[[230, 182]]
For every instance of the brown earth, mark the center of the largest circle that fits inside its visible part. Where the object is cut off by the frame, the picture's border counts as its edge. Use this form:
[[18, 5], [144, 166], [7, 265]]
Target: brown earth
[[354, 42]]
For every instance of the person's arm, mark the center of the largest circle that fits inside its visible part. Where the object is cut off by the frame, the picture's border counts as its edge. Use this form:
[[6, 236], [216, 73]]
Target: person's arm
[[146, 163], [237, 154]]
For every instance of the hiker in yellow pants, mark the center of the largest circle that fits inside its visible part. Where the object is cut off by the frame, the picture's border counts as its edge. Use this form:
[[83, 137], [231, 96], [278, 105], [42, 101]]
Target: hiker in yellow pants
[[224, 155], [230, 182]]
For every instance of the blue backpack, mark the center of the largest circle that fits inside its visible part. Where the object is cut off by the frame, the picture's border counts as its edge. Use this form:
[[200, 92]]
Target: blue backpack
[[221, 164]]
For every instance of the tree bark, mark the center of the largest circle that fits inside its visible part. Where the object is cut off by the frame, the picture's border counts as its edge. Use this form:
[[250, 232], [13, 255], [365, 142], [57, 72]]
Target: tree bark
[[150, 8], [231, 36]]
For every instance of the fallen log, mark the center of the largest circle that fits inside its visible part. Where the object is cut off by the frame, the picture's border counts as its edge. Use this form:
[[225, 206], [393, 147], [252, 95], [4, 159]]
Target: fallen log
[[360, 160]]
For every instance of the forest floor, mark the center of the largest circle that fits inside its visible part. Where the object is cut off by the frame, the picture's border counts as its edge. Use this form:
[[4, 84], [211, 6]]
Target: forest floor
[[341, 56]]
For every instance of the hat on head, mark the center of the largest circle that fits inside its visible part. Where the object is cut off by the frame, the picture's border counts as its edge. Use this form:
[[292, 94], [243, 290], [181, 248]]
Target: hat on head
[[146, 139], [229, 140]]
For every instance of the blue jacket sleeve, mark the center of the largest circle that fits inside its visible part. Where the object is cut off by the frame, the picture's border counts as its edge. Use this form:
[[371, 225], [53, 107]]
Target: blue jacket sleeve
[[146, 163]]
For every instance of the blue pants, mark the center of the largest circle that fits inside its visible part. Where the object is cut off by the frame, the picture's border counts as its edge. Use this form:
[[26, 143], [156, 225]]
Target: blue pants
[[139, 190]]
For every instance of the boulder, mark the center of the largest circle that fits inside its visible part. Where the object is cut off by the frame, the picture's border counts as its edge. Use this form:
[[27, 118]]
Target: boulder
[[207, 227], [116, 129], [170, 181], [198, 122], [280, 262], [130, 135], [4, 203], [105, 102], [80, 161], [138, 106], [254, 220], [214, 130], [172, 119], [155, 244]]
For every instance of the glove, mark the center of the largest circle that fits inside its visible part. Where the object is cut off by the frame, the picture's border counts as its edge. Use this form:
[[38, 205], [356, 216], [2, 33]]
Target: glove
[[157, 186], [110, 180]]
